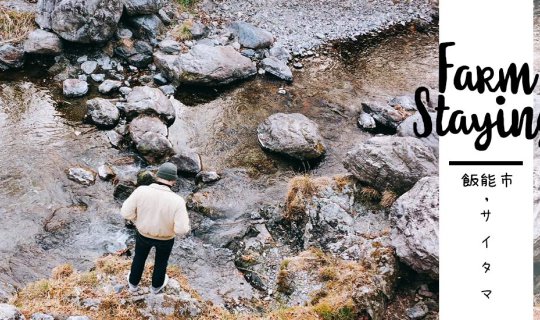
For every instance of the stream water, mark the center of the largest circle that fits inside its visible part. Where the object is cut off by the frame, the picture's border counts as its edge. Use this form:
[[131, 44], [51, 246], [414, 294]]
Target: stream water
[[42, 135]]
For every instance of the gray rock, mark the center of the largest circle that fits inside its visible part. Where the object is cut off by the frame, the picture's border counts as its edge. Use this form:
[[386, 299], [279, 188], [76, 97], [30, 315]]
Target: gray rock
[[102, 113], [146, 26], [198, 30], [43, 42], [151, 101], [138, 54], [418, 311], [406, 129], [84, 21], [187, 161], [205, 65], [169, 46], [291, 134], [137, 7], [82, 77], [159, 79], [385, 115], [366, 121], [11, 57], [154, 147], [277, 68], [98, 77], [391, 163], [207, 176], [10, 312], [109, 86], [41, 316], [250, 36], [105, 172], [44, 10], [298, 65], [74, 88], [415, 221], [124, 33], [168, 89], [82, 175], [150, 137], [280, 53], [164, 17], [404, 102], [89, 66], [78, 318], [143, 124], [125, 90]]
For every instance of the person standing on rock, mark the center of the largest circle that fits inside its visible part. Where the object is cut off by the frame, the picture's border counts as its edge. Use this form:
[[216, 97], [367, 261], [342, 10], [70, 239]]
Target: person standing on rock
[[158, 214]]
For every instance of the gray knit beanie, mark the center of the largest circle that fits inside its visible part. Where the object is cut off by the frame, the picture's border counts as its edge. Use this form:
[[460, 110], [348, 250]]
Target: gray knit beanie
[[167, 171]]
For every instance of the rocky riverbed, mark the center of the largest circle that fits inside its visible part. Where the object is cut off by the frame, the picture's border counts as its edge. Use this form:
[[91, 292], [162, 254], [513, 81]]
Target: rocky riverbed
[[279, 127]]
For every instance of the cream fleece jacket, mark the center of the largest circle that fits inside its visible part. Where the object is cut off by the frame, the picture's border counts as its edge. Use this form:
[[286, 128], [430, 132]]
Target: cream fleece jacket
[[157, 212]]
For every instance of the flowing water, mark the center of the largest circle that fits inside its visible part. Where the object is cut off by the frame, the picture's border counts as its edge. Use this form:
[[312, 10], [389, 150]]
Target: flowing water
[[42, 135]]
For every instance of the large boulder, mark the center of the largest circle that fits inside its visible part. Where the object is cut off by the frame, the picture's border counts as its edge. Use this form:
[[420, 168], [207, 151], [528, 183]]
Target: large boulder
[[143, 124], [11, 57], [146, 26], [391, 163], [149, 101], [138, 53], [206, 65], [406, 129], [250, 36], [291, 134], [149, 135], [415, 226], [44, 11], [137, 7], [84, 21], [102, 113], [43, 42], [10, 312]]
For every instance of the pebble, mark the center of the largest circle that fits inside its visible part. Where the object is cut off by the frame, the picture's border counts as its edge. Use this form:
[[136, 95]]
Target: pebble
[[261, 71], [133, 69], [120, 68], [82, 59], [82, 77], [89, 66], [298, 65], [282, 91], [159, 79], [98, 77]]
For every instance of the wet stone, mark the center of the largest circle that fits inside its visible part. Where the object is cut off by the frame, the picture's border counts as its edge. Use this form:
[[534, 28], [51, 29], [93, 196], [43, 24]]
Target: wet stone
[[105, 172], [109, 86], [89, 66], [74, 88], [98, 77], [81, 175]]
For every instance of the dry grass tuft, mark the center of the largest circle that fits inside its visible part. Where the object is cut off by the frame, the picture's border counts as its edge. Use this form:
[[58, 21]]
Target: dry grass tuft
[[301, 190], [14, 25], [182, 31], [62, 271], [370, 194], [388, 198]]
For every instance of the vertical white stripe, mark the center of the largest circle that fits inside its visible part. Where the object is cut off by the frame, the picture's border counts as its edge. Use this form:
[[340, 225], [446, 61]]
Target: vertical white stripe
[[486, 33]]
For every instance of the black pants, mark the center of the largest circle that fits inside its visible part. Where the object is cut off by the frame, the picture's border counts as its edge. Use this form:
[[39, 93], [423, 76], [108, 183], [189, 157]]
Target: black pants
[[142, 249]]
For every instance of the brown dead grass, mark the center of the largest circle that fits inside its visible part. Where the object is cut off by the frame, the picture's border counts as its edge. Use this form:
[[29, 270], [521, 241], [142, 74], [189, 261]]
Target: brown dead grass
[[56, 295], [388, 198], [182, 31], [370, 194], [300, 191], [14, 25]]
